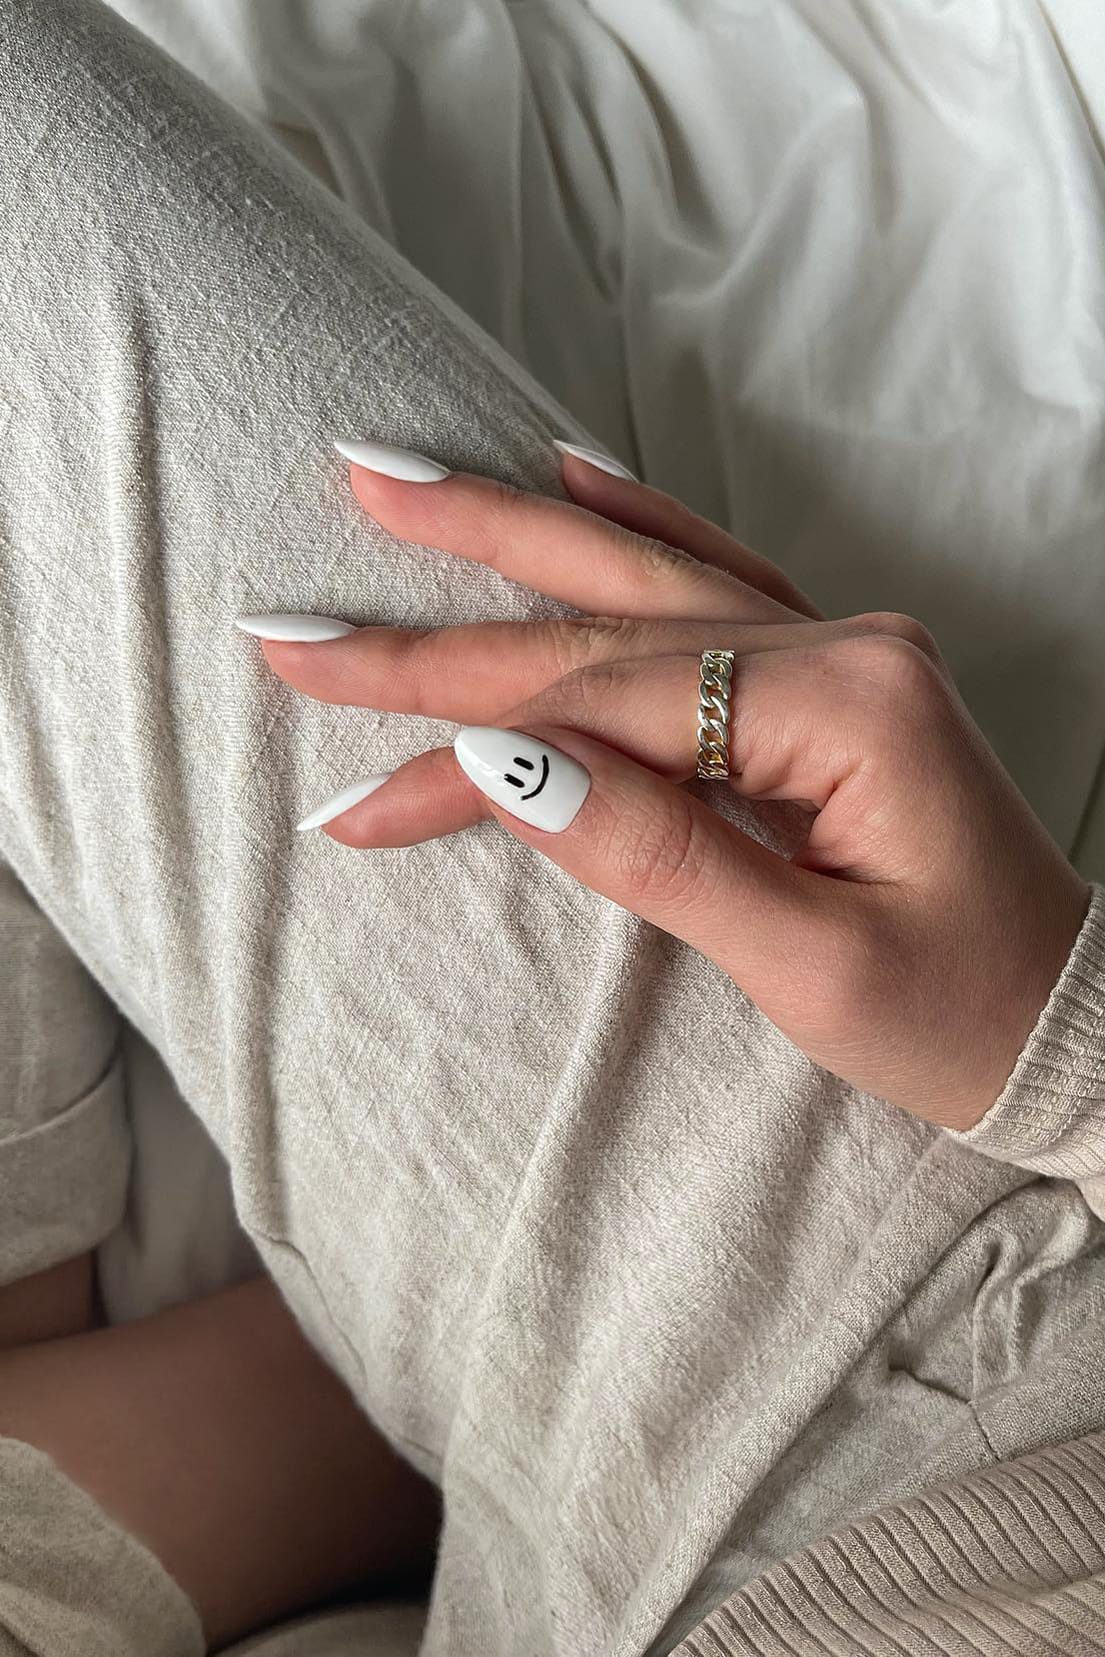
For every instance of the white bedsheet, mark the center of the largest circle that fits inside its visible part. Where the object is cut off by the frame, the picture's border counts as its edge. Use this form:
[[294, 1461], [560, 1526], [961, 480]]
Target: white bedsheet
[[831, 270]]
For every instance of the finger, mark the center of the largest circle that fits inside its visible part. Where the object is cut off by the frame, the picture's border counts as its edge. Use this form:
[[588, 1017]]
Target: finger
[[661, 517], [559, 549], [423, 799], [472, 672]]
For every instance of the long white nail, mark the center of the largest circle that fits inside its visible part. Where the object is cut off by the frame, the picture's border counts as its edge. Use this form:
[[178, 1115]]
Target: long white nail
[[294, 629], [537, 783], [342, 802], [594, 458], [393, 462]]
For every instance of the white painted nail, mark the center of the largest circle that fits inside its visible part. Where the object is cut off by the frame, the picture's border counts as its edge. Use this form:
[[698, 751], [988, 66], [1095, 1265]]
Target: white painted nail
[[393, 462], [348, 797], [537, 783], [294, 629], [594, 458]]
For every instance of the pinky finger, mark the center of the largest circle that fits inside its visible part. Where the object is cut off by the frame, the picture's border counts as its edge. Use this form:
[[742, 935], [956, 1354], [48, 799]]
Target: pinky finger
[[423, 799]]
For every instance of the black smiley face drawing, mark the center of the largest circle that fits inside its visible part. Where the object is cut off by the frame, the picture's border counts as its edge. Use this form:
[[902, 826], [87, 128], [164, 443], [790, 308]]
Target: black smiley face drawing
[[528, 765]]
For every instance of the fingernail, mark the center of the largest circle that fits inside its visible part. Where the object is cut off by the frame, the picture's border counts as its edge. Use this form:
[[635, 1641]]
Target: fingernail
[[294, 629], [393, 462], [594, 458], [537, 783], [348, 797]]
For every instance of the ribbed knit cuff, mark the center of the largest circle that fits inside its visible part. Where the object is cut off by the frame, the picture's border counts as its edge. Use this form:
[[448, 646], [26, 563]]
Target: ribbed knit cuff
[[1050, 1116], [1007, 1560]]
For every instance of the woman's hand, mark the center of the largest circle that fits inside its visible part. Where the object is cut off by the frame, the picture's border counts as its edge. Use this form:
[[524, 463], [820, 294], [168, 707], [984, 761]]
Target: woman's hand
[[910, 945]]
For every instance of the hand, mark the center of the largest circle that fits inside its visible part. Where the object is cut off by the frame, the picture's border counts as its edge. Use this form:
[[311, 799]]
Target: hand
[[909, 946]]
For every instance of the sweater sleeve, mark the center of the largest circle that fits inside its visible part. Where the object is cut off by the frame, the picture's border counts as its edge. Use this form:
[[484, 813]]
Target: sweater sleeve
[[1050, 1116]]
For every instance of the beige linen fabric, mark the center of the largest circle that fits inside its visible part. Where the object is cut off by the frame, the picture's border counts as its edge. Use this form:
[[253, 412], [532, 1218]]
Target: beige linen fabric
[[655, 1300]]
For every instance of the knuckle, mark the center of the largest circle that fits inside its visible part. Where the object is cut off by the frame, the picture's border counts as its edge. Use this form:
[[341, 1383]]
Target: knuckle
[[598, 689], [893, 624], [657, 563], [414, 669], [504, 501], [576, 640], [896, 666], [583, 696], [660, 558], [496, 522], [658, 857]]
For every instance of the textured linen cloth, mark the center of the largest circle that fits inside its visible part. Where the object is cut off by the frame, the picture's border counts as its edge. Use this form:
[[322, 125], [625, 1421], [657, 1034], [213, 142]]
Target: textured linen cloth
[[659, 1304]]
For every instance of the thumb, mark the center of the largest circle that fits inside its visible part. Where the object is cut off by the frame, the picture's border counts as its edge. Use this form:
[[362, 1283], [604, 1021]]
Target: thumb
[[651, 847]]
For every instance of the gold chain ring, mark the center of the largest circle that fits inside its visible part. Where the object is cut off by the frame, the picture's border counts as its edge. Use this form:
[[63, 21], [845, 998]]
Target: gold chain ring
[[714, 685]]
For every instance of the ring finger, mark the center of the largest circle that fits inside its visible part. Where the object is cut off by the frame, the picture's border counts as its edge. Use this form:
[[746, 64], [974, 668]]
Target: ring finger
[[645, 709], [472, 672]]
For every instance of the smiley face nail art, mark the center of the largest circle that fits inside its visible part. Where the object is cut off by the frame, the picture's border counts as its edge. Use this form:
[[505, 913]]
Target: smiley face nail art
[[539, 784], [528, 765]]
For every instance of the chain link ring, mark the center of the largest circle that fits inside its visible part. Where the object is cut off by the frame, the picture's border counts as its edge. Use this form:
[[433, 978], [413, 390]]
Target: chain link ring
[[714, 685]]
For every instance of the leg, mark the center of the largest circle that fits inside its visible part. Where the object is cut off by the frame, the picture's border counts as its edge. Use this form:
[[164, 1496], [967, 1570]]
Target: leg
[[215, 1436], [538, 1181]]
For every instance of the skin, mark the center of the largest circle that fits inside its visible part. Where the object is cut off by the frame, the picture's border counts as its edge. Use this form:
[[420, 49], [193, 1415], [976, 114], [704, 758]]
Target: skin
[[909, 947], [58, 1301]]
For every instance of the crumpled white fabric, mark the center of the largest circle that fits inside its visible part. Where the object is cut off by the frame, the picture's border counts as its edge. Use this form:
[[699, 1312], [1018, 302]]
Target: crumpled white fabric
[[832, 273]]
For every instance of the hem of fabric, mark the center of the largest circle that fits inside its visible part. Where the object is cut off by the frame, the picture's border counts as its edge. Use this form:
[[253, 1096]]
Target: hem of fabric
[[979, 1563], [63, 1183]]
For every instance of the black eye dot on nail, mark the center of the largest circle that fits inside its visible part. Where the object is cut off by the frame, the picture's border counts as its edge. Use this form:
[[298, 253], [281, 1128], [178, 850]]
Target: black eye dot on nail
[[515, 782], [527, 763]]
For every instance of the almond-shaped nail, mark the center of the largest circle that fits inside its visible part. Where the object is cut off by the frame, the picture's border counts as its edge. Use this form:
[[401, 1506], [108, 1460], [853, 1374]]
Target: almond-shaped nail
[[539, 784], [348, 798], [294, 629], [594, 458], [392, 461]]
